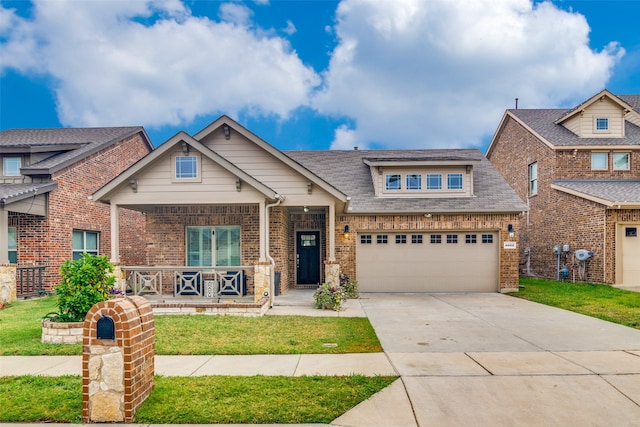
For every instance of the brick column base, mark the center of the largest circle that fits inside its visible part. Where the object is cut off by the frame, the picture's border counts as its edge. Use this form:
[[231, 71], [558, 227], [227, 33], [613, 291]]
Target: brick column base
[[262, 281], [332, 273], [7, 283]]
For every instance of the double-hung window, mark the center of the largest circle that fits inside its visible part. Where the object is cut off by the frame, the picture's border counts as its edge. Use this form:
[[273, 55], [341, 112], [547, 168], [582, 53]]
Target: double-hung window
[[533, 178], [85, 242], [13, 252]]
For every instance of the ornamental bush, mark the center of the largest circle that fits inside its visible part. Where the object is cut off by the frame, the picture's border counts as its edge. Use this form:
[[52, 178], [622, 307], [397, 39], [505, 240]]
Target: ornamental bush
[[350, 287], [329, 296], [85, 282]]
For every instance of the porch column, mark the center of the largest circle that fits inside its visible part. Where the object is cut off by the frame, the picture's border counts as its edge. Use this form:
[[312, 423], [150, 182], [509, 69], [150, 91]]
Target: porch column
[[4, 236], [263, 232], [332, 232], [115, 234]]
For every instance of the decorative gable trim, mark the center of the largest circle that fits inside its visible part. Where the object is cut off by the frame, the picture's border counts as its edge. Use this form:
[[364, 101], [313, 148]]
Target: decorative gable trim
[[598, 97]]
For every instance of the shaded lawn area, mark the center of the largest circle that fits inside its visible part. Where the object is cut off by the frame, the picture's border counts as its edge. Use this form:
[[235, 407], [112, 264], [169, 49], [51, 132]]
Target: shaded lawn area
[[198, 400], [20, 333], [600, 301]]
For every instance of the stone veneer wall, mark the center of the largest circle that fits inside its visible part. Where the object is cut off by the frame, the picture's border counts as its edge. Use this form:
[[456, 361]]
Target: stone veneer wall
[[117, 375]]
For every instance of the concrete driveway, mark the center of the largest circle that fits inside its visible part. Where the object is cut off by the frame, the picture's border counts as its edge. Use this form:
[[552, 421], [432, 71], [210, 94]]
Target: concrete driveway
[[495, 360]]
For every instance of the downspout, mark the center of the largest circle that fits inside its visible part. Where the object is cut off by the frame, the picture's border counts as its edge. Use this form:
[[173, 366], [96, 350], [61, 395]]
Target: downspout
[[279, 199]]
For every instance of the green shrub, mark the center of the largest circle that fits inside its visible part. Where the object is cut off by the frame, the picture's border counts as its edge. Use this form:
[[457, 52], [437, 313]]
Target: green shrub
[[85, 282], [350, 287], [329, 296]]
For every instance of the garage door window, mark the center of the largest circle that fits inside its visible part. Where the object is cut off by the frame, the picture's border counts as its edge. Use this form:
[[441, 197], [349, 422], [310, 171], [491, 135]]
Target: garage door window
[[470, 238], [487, 238], [416, 238], [436, 238], [401, 238], [452, 238], [365, 239], [382, 239]]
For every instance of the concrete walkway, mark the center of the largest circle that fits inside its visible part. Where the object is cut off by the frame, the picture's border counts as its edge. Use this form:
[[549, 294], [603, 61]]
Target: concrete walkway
[[464, 359]]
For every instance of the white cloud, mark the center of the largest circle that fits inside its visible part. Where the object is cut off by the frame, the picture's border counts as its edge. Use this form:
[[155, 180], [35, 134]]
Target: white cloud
[[345, 139], [441, 73], [153, 63], [290, 28]]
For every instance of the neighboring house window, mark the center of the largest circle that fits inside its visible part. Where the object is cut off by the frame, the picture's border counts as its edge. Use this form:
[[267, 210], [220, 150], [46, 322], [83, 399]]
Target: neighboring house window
[[414, 182], [13, 252], [11, 166], [401, 238], [470, 238], [200, 246], [533, 178], [436, 238], [434, 181], [621, 161], [382, 239], [602, 124], [186, 167], [85, 242], [599, 161], [487, 238], [416, 238], [454, 181], [365, 239], [452, 238], [394, 182]]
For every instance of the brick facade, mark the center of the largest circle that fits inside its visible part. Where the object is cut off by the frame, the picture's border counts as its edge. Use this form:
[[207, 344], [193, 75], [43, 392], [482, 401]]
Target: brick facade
[[555, 217], [48, 241]]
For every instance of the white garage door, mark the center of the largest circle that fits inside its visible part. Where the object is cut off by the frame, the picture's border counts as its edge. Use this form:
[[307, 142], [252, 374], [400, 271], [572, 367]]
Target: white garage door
[[427, 262], [629, 254]]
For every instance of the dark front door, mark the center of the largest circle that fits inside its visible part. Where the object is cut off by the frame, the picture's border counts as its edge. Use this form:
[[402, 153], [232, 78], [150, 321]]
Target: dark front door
[[308, 257]]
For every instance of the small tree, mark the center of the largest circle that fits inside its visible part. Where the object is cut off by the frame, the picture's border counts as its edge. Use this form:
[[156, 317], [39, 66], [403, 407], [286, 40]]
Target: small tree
[[85, 282]]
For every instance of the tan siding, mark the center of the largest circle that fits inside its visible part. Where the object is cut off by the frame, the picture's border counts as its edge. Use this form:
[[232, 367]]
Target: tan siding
[[573, 124], [602, 109]]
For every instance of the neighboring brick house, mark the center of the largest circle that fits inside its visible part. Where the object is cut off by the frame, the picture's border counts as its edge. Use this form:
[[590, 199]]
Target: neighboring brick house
[[224, 201], [46, 178], [579, 171]]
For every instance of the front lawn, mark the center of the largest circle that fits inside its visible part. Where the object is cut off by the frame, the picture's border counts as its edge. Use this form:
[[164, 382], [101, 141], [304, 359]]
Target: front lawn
[[601, 301], [198, 400], [20, 333]]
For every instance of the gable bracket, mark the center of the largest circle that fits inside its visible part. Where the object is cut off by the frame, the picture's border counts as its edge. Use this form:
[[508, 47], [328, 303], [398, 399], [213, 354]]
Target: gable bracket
[[238, 185], [309, 187]]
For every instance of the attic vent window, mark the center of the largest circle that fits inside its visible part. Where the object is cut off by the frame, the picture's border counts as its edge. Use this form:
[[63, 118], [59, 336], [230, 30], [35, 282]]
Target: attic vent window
[[602, 124]]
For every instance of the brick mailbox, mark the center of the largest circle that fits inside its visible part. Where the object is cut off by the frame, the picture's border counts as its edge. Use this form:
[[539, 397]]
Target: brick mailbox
[[117, 359]]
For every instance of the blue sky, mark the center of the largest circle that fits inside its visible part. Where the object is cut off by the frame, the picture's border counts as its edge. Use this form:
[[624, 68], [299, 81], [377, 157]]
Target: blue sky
[[311, 74]]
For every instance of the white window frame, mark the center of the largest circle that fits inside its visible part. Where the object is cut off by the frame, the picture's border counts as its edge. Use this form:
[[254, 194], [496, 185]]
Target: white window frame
[[533, 178], [198, 167], [437, 177], [601, 124], [9, 166], [596, 155], [78, 251], [396, 178], [628, 163], [456, 175], [413, 181]]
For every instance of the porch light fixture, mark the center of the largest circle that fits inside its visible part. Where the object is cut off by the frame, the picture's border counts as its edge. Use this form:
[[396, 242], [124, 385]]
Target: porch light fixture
[[427, 215], [227, 131], [346, 231], [306, 209], [512, 232]]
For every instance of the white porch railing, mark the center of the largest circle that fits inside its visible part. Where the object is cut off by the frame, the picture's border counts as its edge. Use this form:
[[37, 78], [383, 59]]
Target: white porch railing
[[178, 281]]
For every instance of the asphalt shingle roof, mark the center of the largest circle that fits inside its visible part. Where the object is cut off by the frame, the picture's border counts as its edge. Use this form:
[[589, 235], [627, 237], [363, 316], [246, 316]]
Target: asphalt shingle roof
[[347, 172], [611, 190], [12, 192], [91, 139]]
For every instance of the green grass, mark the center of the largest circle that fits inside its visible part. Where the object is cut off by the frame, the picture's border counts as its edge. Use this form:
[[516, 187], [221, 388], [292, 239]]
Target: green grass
[[198, 400], [600, 301], [20, 333]]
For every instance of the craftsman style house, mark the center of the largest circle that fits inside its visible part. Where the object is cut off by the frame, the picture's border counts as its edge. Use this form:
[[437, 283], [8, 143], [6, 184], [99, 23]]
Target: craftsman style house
[[46, 177], [228, 213], [579, 171]]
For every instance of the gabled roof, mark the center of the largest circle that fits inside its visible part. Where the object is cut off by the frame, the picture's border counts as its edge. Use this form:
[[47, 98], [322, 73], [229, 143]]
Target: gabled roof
[[622, 193], [280, 155], [10, 193], [599, 96], [103, 193], [348, 171], [74, 144]]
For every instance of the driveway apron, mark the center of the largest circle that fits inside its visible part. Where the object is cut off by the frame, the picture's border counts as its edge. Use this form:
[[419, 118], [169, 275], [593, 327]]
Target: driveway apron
[[496, 360]]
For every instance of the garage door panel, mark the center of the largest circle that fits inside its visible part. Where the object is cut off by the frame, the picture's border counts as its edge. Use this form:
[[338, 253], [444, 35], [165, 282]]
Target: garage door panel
[[428, 267]]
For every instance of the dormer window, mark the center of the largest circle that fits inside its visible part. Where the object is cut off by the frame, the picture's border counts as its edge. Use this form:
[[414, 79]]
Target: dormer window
[[434, 181], [393, 182], [602, 124], [414, 181], [454, 181], [11, 166]]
